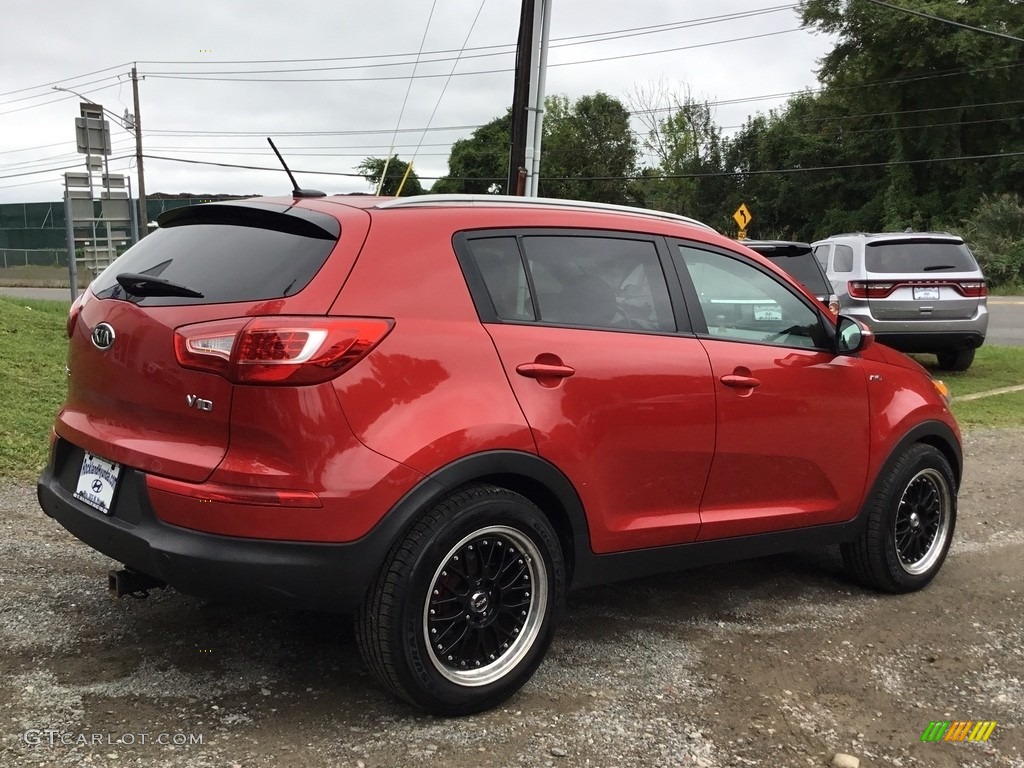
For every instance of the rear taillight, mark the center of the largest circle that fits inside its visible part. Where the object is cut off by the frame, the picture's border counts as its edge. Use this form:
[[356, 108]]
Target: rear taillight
[[73, 313], [877, 289], [278, 350], [973, 289], [870, 289]]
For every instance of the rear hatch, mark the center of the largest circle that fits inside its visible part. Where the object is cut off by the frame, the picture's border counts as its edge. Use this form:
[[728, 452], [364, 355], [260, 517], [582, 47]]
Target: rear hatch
[[797, 260], [129, 398], [923, 278]]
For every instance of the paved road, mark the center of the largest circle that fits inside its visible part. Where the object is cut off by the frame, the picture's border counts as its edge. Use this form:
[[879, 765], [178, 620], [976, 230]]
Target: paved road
[[49, 294], [1006, 321], [1006, 313]]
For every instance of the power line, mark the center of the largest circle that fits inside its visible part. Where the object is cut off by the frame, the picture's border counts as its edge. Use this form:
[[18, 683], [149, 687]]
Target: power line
[[385, 78], [510, 48], [246, 167], [372, 131], [405, 101], [771, 171], [495, 50], [947, 21], [52, 170], [440, 96], [54, 101], [52, 88], [65, 80]]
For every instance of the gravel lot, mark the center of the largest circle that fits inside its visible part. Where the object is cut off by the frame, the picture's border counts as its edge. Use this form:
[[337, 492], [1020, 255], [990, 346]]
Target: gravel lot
[[771, 662]]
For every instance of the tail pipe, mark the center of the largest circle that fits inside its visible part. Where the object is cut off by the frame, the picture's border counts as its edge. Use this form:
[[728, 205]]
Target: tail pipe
[[132, 583]]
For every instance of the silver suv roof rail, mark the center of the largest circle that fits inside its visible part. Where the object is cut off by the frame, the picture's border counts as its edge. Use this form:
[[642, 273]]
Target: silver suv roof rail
[[904, 233], [537, 202]]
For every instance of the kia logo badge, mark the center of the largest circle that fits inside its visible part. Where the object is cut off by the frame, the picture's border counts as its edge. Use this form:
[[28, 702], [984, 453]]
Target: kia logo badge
[[102, 336]]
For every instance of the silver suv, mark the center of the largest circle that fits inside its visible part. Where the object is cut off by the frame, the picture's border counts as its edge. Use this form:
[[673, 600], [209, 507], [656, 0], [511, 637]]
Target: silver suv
[[918, 291]]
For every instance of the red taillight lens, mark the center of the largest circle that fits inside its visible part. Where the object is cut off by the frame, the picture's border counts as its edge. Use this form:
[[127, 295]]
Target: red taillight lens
[[208, 346], [870, 289], [235, 494], [73, 313], [972, 289], [279, 350]]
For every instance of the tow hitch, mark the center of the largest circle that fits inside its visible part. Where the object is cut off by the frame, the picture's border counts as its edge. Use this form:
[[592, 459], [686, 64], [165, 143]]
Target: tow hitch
[[132, 583]]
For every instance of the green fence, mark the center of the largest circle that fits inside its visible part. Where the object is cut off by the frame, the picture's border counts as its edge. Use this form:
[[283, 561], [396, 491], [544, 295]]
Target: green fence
[[27, 228], [33, 257]]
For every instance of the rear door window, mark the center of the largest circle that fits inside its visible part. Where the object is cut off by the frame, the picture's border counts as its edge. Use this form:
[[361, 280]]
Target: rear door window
[[591, 281], [843, 261], [228, 253], [599, 282]]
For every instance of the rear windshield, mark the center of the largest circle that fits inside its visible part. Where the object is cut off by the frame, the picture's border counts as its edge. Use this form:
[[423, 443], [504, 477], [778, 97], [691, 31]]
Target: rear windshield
[[918, 256], [804, 268], [228, 254]]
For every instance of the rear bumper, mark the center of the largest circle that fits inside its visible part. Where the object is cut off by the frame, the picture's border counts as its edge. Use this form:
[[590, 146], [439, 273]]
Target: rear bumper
[[926, 335], [937, 341], [298, 575]]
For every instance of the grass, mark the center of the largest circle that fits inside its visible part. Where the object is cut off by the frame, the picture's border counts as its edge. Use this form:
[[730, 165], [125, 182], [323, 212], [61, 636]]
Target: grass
[[1006, 289], [994, 367], [33, 349], [998, 411]]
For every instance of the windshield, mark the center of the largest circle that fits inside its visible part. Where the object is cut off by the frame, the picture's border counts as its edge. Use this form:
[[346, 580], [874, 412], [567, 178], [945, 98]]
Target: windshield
[[936, 256], [213, 257], [806, 271]]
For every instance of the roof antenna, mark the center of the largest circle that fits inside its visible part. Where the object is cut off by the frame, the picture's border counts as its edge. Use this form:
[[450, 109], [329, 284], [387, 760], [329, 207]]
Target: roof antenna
[[296, 191]]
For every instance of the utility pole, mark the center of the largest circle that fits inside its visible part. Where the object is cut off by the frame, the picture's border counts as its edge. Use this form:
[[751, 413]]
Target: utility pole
[[535, 110], [520, 97], [143, 208]]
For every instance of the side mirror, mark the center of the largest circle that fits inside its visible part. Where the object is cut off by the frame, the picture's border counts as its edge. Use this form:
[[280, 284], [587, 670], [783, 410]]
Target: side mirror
[[852, 336]]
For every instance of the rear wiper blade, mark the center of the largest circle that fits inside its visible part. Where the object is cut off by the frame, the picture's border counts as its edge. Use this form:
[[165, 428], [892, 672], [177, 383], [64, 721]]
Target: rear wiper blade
[[147, 285], [937, 267]]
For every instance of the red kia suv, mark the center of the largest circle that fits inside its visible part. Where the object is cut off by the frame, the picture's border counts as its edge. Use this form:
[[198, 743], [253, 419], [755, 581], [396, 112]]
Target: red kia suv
[[441, 413]]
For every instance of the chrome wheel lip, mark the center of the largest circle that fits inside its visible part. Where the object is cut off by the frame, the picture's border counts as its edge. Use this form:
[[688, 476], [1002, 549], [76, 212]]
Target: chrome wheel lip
[[936, 521], [536, 610]]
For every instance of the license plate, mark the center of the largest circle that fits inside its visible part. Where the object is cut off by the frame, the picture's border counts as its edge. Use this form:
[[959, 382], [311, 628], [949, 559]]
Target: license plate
[[97, 482], [930, 293], [770, 312]]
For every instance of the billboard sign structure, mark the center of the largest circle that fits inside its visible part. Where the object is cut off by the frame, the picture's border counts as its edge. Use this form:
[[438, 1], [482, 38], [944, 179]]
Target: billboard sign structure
[[97, 230]]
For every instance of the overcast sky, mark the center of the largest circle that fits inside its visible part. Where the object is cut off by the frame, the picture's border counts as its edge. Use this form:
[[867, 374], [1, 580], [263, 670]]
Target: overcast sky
[[352, 103]]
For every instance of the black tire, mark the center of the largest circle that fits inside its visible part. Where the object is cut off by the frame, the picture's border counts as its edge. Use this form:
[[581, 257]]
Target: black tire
[[910, 523], [955, 360], [489, 615]]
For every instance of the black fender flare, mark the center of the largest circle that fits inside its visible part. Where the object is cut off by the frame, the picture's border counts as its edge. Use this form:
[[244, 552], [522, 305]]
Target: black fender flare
[[934, 433], [525, 473]]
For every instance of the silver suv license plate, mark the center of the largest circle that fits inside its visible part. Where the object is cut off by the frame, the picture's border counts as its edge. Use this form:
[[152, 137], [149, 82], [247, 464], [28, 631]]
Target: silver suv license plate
[[97, 482], [929, 293]]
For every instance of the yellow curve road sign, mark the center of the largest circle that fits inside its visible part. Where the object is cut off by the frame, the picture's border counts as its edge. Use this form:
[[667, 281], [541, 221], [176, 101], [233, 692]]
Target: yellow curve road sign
[[742, 216]]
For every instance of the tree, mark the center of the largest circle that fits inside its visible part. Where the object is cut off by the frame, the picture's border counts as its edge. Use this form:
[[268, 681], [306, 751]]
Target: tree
[[995, 232], [925, 91], [783, 164], [684, 148], [588, 151], [479, 161], [372, 168]]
